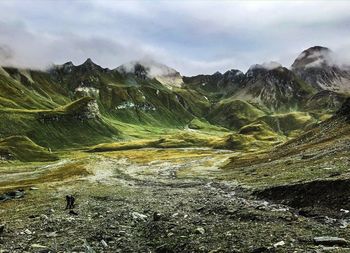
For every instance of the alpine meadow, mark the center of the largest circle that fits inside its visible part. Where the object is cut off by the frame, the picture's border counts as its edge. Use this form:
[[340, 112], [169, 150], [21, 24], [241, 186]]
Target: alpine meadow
[[149, 126]]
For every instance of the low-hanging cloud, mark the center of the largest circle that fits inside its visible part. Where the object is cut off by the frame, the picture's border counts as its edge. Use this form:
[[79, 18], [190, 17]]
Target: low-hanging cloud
[[6, 53], [266, 65], [323, 57]]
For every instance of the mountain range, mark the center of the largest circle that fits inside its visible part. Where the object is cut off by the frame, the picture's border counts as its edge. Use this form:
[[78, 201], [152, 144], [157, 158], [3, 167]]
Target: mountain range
[[82, 105]]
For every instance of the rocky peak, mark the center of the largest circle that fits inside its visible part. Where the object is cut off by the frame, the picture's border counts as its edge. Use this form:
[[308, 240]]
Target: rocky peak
[[89, 65], [233, 73], [257, 70], [140, 71], [233, 76], [68, 66], [319, 67], [153, 70], [314, 57], [217, 74]]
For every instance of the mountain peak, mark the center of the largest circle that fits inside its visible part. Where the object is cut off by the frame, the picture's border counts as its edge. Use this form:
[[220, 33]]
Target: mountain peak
[[89, 62], [89, 65], [266, 65], [262, 68], [151, 69], [314, 57]]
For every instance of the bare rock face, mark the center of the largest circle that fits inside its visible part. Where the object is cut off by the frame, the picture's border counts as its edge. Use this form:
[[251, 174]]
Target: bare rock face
[[312, 57], [273, 86], [319, 67], [92, 111], [85, 108]]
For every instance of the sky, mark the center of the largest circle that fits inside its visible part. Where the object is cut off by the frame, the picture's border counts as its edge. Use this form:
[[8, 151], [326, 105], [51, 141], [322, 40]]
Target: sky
[[194, 37]]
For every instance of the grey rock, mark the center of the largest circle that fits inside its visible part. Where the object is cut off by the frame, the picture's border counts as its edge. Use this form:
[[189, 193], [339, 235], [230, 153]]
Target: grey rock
[[139, 216], [330, 241], [278, 244], [200, 230], [28, 232], [44, 217], [104, 244]]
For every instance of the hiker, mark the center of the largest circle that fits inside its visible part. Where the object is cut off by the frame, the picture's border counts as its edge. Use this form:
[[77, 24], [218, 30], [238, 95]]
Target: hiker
[[70, 202]]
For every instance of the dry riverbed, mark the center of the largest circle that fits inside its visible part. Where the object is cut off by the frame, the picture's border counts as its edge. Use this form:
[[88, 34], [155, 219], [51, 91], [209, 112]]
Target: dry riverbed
[[150, 200]]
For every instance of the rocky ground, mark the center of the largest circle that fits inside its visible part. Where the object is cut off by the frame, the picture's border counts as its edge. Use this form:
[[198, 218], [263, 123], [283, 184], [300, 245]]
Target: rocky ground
[[156, 201]]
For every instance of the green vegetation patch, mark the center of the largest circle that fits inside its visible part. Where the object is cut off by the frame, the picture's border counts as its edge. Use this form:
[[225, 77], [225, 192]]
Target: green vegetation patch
[[234, 114], [288, 122], [24, 149]]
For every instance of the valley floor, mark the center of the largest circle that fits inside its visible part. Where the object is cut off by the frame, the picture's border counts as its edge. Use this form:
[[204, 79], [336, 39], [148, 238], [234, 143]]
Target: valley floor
[[148, 200]]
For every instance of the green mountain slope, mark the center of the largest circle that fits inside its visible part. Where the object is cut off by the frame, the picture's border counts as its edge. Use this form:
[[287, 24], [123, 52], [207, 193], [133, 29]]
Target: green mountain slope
[[71, 106]]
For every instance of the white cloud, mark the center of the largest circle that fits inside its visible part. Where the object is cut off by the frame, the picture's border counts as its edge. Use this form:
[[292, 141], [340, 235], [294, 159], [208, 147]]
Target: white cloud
[[266, 65]]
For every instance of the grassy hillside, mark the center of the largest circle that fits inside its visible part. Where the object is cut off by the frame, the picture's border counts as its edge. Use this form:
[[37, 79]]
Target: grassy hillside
[[234, 114], [72, 106], [56, 109], [63, 127], [289, 124], [319, 153], [24, 149]]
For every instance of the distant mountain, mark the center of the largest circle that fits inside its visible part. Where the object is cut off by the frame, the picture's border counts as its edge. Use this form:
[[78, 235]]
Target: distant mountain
[[70, 101], [273, 87], [217, 85], [319, 67], [151, 69]]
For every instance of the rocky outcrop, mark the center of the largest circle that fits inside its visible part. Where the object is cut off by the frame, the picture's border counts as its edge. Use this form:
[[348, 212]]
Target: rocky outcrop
[[83, 109]]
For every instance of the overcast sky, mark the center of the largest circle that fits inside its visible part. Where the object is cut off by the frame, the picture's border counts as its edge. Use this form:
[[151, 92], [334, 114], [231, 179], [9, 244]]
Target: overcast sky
[[191, 36]]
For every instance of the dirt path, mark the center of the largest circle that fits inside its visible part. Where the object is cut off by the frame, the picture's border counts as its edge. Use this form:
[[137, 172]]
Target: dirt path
[[155, 201]]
